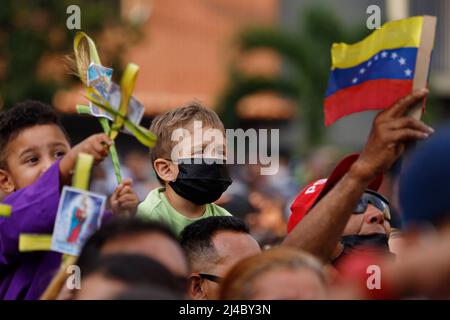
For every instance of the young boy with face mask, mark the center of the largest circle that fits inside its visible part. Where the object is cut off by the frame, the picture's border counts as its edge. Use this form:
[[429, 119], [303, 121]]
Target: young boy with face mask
[[36, 160], [189, 160]]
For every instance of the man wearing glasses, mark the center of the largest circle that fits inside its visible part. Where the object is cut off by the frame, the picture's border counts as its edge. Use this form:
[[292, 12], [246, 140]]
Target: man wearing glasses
[[367, 229], [213, 245]]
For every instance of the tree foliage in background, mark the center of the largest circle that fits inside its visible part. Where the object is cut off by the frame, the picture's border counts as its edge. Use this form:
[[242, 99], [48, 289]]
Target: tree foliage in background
[[306, 54], [34, 40]]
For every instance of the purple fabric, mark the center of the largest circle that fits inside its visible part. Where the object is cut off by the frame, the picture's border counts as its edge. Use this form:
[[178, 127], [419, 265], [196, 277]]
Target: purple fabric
[[26, 275], [34, 208]]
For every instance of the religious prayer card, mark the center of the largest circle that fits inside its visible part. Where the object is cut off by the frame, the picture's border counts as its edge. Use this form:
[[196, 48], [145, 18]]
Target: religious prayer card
[[79, 216], [135, 108], [99, 77]]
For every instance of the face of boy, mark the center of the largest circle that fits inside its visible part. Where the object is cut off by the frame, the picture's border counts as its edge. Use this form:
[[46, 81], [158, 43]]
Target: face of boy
[[199, 142], [30, 154], [194, 142]]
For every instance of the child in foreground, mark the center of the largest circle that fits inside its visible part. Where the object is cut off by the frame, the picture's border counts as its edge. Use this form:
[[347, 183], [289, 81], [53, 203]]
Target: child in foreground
[[36, 161], [192, 176]]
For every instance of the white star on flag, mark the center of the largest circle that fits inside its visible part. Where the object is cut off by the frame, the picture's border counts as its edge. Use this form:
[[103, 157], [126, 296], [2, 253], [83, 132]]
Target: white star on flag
[[369, 63], [394, 55], [408, 72], [362, 71], [402, 61], [355, 80], [376, 58], [384, 54]]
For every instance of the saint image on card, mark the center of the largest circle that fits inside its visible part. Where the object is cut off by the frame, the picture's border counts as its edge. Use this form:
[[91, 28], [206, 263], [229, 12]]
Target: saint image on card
[[79, 216], [99, 77], [135, 108]]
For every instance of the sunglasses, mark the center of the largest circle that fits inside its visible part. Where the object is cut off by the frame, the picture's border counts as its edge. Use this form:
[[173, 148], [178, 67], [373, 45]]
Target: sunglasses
[[210, 277], [375, 199]]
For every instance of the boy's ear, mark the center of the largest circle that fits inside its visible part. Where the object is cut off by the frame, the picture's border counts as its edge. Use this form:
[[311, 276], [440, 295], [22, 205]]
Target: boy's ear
[[165, 169], [6, 183]]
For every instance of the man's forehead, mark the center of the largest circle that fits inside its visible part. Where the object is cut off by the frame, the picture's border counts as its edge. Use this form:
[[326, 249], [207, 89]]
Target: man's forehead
[[154, 244], [232, 244], [153, 238]]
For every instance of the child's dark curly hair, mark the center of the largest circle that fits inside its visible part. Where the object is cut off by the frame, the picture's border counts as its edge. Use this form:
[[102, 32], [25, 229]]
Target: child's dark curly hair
[[22, 116]]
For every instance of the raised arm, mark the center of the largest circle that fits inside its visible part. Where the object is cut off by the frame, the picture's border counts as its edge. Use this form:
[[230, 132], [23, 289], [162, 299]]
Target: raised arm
[[321, 229]]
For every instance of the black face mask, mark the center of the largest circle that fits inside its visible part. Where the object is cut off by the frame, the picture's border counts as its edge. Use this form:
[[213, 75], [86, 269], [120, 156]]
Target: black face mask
[[203, 182], [376, 241]]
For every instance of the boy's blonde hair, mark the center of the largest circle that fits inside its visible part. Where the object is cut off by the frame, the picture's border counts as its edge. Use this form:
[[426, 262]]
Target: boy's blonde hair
[[163, 126]]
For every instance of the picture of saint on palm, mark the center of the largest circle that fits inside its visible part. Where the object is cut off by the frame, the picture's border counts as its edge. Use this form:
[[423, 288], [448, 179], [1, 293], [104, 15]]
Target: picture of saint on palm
[[79, 215]]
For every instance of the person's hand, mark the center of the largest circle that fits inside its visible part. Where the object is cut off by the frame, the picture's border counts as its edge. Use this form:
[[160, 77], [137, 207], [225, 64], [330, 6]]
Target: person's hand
[[391, 130], [96, 145], [124, 200]]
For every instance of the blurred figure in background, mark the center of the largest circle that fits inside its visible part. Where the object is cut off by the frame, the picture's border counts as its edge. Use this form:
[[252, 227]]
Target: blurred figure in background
[[139, 164], [267, 224], [104, 180], [149, 292], [318, 164], [134, 236], [135, 165], [261, 200], [276, 274], [113, 275]]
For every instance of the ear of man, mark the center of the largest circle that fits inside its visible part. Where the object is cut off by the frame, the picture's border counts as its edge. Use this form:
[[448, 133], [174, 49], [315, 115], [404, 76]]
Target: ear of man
[[196, 289]]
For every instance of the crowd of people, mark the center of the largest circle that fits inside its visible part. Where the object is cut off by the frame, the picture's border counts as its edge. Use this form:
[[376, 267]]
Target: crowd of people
[[189, 233]]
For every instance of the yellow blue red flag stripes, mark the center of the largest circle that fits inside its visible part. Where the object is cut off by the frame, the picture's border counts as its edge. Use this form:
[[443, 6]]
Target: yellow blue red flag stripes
[[375, 72]]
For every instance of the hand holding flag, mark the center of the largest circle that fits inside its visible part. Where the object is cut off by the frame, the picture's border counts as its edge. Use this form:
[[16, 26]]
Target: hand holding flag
[[392, 129]]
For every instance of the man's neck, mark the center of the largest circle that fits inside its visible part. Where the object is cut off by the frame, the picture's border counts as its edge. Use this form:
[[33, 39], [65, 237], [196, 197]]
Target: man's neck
[[182, 205]]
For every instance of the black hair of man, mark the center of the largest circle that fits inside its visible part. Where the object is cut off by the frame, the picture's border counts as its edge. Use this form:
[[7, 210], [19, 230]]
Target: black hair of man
[[196, 238]]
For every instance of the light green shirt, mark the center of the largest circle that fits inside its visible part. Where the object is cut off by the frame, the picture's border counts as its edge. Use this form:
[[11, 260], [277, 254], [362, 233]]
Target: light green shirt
[[156, 207]]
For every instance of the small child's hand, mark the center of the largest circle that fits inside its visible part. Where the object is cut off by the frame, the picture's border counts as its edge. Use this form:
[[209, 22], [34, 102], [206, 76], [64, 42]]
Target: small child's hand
[[124, 200], [96, 145]]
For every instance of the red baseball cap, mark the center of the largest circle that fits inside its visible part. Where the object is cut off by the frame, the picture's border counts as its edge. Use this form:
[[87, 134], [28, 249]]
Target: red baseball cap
[[313, 192]]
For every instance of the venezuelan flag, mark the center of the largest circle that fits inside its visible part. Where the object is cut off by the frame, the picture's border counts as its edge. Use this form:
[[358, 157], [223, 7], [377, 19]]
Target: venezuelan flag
[[375, 72]]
